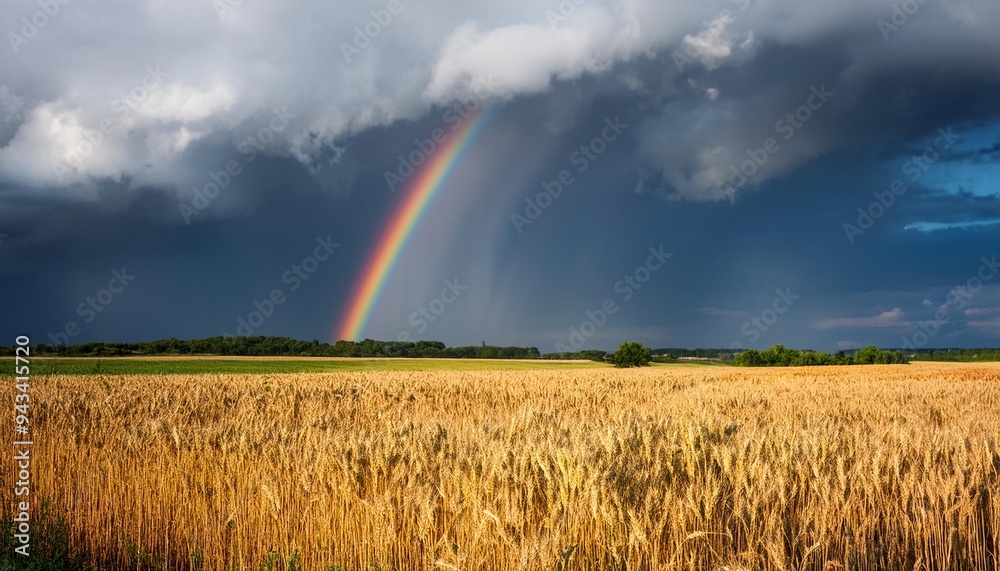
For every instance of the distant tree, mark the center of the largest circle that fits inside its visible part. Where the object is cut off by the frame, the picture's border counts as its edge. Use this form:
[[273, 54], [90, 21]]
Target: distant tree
[[632, 354], [867, 356], [593, 354], [748, 358], [485, 352], [872, 355], [777, 356], [344, 348]]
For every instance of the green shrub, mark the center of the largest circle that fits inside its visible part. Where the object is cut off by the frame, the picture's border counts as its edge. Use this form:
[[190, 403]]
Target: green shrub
[[632, 354]]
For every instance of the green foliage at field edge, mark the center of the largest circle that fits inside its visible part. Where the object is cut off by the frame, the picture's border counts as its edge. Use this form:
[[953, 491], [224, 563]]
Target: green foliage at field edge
[[781, 356], [238, 365]]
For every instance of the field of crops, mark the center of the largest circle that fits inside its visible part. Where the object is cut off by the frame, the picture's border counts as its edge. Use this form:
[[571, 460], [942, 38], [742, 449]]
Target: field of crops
[[873, 467]]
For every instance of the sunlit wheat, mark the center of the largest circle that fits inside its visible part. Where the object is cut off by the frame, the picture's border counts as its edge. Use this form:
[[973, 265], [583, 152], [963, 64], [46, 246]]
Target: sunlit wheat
[[664, 468]]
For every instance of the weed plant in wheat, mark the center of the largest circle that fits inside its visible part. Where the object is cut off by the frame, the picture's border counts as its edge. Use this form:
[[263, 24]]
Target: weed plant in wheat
[[875, 467]]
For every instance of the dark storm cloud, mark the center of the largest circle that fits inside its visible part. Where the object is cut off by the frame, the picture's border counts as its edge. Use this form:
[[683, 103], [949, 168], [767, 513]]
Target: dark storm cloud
[[881, 93]]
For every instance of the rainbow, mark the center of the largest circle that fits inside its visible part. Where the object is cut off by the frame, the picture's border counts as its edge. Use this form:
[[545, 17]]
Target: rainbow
[[393, 238]]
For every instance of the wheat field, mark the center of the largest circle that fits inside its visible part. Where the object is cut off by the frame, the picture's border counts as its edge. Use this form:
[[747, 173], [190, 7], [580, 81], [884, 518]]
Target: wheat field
[[876, 467]]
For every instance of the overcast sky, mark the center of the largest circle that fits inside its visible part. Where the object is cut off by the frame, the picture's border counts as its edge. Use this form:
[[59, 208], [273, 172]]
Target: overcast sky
[[736, 139]]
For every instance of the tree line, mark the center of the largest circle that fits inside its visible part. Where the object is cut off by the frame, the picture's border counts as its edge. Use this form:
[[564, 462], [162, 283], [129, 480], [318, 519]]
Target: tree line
[[781, 356], [282, 346], [964, 355], [777, 355]]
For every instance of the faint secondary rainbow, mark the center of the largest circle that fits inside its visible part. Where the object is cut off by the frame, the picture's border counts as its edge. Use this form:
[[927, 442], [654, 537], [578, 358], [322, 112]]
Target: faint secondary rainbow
[[394, 236]]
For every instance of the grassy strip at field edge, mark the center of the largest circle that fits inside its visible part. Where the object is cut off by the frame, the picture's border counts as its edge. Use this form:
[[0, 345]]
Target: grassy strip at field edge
[[276, 365]]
